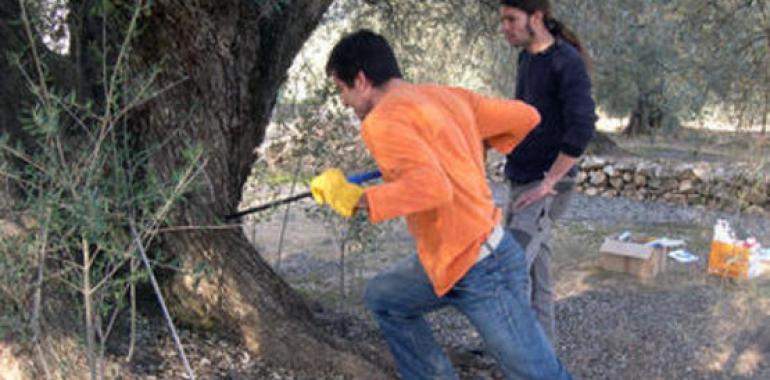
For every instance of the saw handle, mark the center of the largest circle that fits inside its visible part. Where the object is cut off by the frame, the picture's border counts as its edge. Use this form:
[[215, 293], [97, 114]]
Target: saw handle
[[357, 179], [363, 177]]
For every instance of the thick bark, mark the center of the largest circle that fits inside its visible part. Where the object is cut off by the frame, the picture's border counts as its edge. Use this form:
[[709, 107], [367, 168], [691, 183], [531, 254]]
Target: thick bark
[[646, 118], [224, 62], [228, 59]]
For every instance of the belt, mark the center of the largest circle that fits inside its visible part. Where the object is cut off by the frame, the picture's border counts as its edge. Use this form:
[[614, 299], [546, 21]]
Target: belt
[[493, 240]]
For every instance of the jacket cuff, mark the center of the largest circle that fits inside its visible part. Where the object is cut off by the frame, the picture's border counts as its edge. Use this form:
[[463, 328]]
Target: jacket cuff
[[571, 150]]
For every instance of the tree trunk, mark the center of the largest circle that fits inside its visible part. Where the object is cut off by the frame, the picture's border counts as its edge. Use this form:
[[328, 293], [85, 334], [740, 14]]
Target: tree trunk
[[646, 118], [223, 62], [229, 59]]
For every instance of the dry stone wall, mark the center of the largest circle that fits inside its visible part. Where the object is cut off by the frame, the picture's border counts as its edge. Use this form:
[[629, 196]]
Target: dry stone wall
[[734, 187]]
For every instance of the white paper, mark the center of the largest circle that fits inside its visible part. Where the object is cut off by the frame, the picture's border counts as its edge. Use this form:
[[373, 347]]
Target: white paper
[[683, 256], [666, 243], [764, 254]]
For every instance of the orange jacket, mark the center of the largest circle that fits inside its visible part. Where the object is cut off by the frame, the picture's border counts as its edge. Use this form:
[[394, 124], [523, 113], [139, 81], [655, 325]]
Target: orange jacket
[[428, 142]]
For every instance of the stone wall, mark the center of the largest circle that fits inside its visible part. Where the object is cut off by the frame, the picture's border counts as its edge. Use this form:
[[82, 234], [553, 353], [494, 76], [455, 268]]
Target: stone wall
[[734, 187]]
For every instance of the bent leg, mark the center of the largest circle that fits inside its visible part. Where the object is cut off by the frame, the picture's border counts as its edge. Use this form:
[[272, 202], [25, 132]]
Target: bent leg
[[492, 296], [399, 298]]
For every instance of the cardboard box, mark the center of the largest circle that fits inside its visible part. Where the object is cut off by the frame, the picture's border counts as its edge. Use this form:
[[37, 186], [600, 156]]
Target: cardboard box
[[633, 257]]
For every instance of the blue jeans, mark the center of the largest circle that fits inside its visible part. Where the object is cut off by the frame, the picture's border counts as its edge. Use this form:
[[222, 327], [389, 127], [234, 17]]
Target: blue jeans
[[491, 295]]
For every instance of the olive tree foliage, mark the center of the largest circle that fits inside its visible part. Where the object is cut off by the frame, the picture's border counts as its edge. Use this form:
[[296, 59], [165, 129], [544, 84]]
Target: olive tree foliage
[[450, 42], [664, 63], [639, 61], [733, 57]]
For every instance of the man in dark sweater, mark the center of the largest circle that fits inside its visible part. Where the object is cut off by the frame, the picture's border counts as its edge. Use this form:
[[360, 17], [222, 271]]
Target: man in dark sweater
[[551, 76]]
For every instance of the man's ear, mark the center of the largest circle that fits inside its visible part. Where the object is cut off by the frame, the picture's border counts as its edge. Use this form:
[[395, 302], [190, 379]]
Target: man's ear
[[361, 81], [538, 18]]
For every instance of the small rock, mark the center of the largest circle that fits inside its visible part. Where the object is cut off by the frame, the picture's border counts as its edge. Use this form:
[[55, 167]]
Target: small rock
[[598, 178], [610, 171], [581, 177], [616, 183], [592, 163], [627, 177], [640, 180]]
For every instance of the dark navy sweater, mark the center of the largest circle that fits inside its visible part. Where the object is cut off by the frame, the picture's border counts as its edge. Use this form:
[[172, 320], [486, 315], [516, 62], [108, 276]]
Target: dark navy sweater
[[556, 82]]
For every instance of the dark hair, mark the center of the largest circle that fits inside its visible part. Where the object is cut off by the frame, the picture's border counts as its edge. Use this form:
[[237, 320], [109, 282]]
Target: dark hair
[[553, 25], [364, 51]]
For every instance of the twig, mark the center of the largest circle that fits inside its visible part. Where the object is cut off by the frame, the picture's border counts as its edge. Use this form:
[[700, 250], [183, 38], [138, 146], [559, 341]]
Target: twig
[[42, 253], [138, 102], [108, 121], [199, 228], [132, 316], [33, 48], [162, 303], [89, 308], [108, 276], [24, 157], [105, 333], [286, 215], [187, 178], [42, 360], [122, 54]]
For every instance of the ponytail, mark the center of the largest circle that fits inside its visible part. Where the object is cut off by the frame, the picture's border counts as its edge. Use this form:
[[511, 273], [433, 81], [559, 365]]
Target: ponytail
[[558, 29]]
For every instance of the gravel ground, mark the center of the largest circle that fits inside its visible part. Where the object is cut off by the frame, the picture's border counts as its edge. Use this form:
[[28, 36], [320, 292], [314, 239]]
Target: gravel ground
[[608, 211], [682, 325]]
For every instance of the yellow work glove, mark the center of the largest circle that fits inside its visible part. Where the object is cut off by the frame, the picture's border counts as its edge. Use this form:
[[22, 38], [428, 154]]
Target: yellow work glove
[[331, 187]]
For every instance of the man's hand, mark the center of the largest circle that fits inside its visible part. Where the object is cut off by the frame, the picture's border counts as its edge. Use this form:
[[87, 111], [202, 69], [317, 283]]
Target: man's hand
[[332, 188], [543, 189]]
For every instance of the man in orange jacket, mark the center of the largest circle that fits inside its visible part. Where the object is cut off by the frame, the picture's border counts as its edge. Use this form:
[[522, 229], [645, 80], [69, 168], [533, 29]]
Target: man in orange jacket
[[428, 142]]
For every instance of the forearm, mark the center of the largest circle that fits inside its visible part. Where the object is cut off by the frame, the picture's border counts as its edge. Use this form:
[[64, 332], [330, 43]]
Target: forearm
[[559, 169]]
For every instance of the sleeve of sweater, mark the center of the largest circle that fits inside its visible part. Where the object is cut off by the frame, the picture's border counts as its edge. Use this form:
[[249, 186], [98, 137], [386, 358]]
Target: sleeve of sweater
[[414, 178], [504, 123], [578, 108]]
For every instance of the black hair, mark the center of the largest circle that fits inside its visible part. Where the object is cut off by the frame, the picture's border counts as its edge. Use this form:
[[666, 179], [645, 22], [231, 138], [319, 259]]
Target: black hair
[[364, 51]]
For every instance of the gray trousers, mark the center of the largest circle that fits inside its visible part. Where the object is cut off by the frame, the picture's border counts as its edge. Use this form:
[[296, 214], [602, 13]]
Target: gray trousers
[[531, 227]]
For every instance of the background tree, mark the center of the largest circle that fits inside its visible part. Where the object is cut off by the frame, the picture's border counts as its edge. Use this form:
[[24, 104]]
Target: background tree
[[661, 64], [733, 59]]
